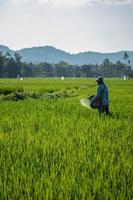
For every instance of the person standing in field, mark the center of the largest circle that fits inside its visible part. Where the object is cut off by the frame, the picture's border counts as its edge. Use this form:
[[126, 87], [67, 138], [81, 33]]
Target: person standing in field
[[102, 96]]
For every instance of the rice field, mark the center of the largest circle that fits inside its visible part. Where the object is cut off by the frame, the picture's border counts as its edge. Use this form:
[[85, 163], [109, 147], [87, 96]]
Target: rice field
[[56, 149]]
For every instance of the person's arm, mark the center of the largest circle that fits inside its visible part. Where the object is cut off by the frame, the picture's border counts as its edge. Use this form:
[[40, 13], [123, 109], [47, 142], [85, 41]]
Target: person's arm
[[98, 94]]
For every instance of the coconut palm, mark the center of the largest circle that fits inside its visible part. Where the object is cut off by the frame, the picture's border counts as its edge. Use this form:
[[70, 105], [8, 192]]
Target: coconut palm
[[125, 57]]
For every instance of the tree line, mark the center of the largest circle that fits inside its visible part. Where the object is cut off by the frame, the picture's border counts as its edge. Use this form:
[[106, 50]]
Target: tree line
[[12, 67]]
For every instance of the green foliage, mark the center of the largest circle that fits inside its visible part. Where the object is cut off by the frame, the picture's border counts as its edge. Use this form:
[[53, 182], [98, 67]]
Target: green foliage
[[9, 90], [25, 89], [12, 67], [53, 148]]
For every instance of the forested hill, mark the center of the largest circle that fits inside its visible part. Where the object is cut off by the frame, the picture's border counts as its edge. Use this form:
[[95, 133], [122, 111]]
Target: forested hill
[[52, 55]]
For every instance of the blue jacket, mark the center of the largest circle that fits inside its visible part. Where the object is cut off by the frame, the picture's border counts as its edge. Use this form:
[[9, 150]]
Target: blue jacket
[[102, 92]]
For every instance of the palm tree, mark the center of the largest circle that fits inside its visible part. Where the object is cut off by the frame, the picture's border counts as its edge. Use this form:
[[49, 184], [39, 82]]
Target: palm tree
[[129, 62], [125, 57]]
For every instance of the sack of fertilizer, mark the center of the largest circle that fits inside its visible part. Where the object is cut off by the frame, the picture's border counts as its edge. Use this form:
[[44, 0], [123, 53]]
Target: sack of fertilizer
[[89, 103]]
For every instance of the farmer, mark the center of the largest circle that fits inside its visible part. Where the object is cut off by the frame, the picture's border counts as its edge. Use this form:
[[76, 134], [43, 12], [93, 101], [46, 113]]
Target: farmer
[[101, 96]]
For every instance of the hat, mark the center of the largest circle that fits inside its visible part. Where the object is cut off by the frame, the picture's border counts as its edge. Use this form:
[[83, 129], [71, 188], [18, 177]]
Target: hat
[[99, 79]]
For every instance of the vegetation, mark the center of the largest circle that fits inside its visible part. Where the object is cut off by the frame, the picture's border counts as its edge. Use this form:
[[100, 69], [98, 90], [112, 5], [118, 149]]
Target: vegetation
[[12, 67], [53, 148]]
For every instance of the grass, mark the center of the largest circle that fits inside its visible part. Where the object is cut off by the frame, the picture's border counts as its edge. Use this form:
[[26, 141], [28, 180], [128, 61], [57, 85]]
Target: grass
[[57, 149]]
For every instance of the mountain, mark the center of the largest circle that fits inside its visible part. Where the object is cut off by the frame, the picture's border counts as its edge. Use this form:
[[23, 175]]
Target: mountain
[[5, 49], [44, 54], [52, 55]]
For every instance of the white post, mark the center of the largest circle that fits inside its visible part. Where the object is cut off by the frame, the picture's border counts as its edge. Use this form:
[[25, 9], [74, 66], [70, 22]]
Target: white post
[[125, 77]]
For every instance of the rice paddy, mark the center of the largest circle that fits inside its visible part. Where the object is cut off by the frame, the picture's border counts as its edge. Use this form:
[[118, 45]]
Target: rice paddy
[[56, 149]]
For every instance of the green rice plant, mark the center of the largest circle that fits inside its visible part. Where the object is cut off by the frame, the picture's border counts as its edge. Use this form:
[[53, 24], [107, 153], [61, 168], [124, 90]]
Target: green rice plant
[[53, 148]]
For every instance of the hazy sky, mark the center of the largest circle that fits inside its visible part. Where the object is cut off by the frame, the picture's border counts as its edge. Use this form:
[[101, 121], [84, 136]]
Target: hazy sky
[[71, 25]]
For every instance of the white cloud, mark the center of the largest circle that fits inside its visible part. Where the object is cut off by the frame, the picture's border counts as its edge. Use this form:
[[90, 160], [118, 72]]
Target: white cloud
[[120, 2], [65, 3], [22, 1], [16, 1], [83, 2], [72, 3]]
